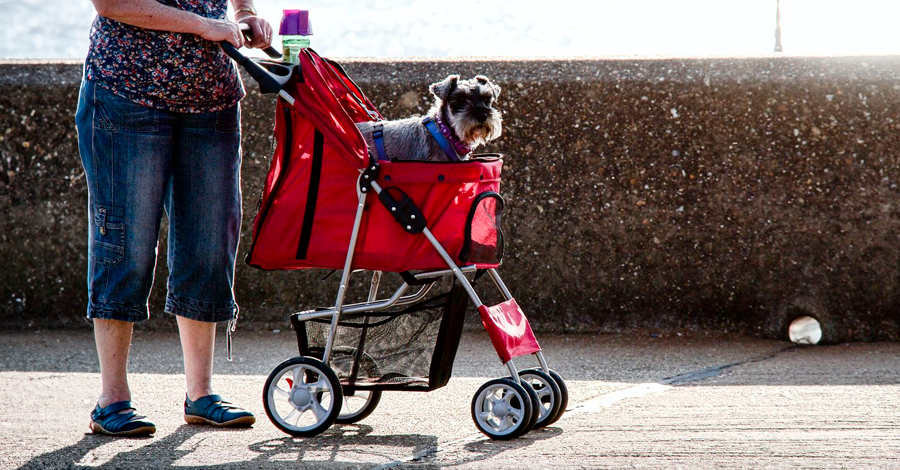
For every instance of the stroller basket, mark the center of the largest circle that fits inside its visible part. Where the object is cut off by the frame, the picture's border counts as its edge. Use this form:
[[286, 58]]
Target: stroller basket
[[368, 356]]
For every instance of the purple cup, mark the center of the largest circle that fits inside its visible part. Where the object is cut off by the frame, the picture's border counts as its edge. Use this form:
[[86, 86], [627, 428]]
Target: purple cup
[[295, 23]]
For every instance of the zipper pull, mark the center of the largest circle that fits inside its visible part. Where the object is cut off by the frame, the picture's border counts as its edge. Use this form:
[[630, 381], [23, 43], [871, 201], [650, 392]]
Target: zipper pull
[[229, 329]]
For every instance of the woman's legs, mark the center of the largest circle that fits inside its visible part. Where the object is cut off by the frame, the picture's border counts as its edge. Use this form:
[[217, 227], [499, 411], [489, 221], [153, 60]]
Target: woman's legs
[[198, 341], [136, 159], [113, 338]]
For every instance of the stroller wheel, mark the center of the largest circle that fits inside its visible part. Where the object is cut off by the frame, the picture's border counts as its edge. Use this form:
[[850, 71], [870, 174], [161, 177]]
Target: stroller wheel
[[535, 403], [302, 396], [502, 409], [548, 394], [563, 398], [360, 403]]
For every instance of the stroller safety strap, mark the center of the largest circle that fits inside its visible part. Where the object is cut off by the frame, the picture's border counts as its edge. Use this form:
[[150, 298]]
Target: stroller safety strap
[[378, 136], [440, 139]]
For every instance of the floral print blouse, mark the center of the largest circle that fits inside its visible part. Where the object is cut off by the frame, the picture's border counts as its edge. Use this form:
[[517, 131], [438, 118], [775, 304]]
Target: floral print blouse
[[170, 71]]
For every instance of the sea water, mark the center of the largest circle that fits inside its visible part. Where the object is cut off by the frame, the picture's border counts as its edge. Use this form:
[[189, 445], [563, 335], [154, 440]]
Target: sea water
[[58, 29]]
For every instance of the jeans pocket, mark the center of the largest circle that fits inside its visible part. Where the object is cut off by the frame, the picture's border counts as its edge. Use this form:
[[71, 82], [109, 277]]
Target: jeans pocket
[[112, 112], [108, 238], [228, 121]]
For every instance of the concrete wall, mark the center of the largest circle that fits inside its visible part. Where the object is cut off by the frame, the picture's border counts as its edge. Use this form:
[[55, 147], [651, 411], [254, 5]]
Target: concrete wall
[[727, 194]]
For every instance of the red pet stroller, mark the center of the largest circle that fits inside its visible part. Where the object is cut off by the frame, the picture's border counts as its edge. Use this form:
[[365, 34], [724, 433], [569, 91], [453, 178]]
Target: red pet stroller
[[327, 204]]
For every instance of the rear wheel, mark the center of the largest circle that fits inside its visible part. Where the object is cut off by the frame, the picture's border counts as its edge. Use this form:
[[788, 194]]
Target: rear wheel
[[501, 409], [357, 404], [302, 396]]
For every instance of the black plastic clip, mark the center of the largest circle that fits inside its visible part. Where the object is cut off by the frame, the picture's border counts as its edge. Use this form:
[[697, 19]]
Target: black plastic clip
[[410, 279], [403, 209], [369, 175]]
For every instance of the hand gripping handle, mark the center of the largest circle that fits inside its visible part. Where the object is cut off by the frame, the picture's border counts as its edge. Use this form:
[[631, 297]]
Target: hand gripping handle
[[272, 77], [269, 50]]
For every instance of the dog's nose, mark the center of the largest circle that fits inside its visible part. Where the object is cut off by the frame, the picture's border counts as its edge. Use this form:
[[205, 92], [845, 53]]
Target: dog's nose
[[481, 113]]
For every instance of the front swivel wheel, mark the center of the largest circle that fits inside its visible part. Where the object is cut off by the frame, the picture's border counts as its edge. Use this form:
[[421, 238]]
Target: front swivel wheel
[[302, 396], [548, 393], [502, 409]]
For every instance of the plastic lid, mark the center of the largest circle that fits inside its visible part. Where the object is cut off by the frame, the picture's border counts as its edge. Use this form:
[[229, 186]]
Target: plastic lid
[[295, 23]]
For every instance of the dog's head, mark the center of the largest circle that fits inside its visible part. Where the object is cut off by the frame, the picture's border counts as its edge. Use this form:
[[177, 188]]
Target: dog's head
[[468, 108]]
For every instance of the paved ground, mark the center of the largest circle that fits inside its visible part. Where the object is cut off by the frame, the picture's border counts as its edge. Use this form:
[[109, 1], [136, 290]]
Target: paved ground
[[636, 402]]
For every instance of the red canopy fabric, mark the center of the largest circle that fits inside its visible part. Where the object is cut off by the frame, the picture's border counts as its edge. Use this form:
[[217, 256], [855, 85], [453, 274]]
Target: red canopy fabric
[[328, 97]]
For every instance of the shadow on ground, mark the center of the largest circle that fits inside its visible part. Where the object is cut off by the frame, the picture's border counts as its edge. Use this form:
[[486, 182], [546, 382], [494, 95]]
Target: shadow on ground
[[341, 447]]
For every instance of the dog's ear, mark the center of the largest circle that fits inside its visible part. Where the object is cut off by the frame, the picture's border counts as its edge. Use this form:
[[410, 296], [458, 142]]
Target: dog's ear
[[495, 90], [443, 88]]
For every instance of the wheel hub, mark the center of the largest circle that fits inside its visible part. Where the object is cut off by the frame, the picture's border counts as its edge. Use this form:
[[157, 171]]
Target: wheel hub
[[500, 410], [300, 397]]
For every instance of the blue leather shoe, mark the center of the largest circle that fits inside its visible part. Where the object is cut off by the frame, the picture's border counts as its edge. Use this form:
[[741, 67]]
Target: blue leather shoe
[[111, 422], [213, 410]]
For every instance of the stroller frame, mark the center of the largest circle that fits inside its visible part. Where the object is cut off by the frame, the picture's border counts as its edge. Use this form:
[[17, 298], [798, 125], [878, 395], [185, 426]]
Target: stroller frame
[[526, 399], [502, 408], [397, 298]]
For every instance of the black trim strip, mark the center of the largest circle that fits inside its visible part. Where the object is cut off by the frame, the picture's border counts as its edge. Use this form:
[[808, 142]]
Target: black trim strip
[[447, 343], [285, 161], [315, 175]]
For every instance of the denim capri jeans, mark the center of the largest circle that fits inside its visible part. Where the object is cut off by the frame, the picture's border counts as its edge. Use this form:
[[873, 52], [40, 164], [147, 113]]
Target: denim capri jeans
[[139, 161]]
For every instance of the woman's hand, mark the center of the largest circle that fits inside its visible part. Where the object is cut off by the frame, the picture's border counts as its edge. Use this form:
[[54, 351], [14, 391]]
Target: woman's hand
[[221, 30], [261, 29]]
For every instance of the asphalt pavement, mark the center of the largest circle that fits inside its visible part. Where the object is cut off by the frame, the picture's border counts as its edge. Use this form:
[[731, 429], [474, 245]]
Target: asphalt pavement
[[690, 401]]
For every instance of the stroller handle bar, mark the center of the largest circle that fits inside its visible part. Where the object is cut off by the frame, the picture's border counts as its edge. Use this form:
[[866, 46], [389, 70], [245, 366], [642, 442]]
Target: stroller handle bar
[[271, 76], [269, 50]]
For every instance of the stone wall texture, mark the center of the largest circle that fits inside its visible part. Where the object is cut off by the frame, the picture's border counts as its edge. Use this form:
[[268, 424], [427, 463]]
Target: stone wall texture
[[722, 194]]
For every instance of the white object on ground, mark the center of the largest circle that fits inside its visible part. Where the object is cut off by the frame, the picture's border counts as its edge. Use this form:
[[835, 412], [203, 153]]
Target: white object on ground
[[805, 330]]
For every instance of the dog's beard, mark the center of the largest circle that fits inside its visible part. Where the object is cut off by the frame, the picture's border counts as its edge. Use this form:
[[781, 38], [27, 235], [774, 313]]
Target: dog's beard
[[475, 133]]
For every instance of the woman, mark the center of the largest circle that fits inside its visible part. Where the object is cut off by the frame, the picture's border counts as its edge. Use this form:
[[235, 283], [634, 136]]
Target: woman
[[159, 129]]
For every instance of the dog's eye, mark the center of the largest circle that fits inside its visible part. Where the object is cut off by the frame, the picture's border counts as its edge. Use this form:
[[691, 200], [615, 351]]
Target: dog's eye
[[458, 102]]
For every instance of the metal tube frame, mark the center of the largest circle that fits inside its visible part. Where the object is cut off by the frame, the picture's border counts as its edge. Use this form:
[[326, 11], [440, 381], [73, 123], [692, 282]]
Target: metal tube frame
[[397, 298], [373, 292], [286, 97], [345, 276], [394, 300], [373, 288]]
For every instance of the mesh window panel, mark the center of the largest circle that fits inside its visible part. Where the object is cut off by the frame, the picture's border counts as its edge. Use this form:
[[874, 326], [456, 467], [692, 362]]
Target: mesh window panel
[[484, 237], [408, 349]]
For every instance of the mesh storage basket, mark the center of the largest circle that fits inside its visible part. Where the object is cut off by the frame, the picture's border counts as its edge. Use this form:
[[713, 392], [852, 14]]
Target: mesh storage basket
[[409, 348]]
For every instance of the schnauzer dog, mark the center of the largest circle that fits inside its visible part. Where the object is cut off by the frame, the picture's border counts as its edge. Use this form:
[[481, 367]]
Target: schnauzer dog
[[463, 114]]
